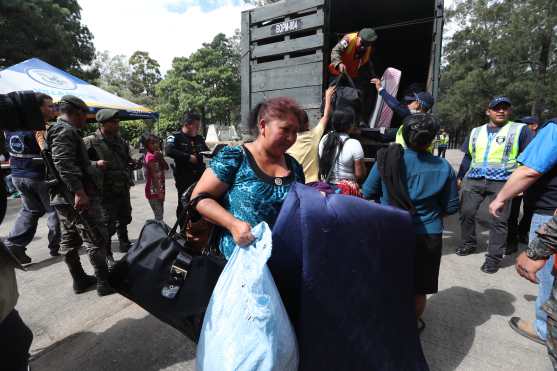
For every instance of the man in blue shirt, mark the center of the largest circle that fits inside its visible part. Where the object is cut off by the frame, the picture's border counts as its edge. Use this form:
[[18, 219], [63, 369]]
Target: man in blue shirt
[[29, 179], [518, 232], [537, 178], [424, 185]]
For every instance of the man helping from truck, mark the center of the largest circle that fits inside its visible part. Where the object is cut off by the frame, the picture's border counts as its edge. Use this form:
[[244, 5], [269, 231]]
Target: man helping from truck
[[352, 55], [418, 102]]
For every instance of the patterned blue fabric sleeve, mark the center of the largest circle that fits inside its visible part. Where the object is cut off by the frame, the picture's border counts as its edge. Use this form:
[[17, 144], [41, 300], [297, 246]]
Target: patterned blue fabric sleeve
[[226, 163]]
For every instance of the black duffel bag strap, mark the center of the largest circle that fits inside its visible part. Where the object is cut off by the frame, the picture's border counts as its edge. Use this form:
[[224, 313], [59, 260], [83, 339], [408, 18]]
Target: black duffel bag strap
[[187, 211], [350, 81]]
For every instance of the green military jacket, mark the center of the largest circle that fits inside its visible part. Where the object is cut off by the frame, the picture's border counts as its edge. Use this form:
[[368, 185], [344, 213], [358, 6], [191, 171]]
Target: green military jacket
[[116, 178], [72, 162]]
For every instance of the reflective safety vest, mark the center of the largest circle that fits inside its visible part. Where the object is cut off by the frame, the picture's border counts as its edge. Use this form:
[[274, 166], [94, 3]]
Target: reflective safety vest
[[443, 140], [349, 58], [495, 155], [400, 140]]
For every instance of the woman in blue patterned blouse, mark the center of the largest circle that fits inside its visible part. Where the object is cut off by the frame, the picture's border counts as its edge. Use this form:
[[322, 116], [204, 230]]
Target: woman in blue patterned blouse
[[251, 181]]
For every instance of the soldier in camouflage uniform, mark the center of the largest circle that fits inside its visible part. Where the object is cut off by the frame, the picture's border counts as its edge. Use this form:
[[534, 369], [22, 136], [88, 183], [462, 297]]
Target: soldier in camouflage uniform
[[111, 155], [352, 54], [532, 261], [79, 179]]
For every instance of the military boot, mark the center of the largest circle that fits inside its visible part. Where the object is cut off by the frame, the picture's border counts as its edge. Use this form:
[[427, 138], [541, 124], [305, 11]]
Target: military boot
[[125, 243], [98, 260], [109, 257], [82, 282]]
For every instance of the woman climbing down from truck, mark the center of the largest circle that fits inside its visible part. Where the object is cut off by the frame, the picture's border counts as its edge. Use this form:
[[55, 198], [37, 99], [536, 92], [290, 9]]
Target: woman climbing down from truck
[[415, 180], [253, 180], [341, 159]]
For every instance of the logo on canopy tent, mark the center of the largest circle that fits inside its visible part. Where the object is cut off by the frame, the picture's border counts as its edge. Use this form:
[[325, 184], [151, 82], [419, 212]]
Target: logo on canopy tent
[[51, 79]]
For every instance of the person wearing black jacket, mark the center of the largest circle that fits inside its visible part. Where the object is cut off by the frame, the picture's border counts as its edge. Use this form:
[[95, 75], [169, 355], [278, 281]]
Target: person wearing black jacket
[[185, 147]]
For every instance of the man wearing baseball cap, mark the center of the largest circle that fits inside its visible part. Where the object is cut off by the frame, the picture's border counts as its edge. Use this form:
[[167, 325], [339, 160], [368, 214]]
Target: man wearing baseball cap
[[417, 102], [491, 154], [110, 153], [73, 165], [352, 55]]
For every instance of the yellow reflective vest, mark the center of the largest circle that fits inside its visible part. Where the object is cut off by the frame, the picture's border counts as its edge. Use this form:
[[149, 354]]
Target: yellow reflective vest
[[400, 140], [496, 152], [443, 140]]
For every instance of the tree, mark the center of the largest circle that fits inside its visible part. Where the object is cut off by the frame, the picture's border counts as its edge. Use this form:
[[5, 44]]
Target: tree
[[208, 81], [501, 47], [145, 74], [46, 29], [114, 74]]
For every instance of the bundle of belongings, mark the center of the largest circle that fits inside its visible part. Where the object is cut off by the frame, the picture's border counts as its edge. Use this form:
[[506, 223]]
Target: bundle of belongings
[[346, 275]]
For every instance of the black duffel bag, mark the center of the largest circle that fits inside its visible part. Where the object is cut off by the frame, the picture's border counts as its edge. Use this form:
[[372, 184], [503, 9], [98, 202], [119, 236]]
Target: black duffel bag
[[20, 110], [347, 97], [166, 278]]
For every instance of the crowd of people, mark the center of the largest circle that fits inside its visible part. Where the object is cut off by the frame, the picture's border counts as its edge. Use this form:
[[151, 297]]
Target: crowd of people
[[505, 163]]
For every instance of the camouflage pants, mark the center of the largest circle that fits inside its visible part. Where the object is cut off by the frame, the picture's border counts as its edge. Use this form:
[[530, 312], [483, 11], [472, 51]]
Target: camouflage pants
[[74, 235], [118, 211], [550, 307]]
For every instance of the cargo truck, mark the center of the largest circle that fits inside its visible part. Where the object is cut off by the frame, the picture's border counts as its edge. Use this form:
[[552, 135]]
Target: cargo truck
[[286, 46]]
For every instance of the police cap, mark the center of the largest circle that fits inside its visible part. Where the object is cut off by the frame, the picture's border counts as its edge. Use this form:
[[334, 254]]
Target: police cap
[[368, 35], [107, 114], [499, 100], [74, 101]]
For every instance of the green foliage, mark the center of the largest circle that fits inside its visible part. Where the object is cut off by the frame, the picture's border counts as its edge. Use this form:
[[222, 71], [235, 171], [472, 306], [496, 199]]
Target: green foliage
[[133, 79], [208, 81], [47, 29], [501, 47], [132, 131], [114, 74], [145, 74]]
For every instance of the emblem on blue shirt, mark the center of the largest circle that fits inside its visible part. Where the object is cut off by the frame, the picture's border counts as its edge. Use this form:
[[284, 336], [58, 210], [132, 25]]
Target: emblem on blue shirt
[[16, 144]]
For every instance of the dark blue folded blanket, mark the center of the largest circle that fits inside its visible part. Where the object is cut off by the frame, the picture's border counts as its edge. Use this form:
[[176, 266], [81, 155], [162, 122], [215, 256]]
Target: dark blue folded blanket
[[345, 270]]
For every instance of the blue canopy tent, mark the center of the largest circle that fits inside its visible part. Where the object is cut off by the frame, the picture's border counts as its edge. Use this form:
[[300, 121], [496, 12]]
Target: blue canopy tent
[[36, 75]]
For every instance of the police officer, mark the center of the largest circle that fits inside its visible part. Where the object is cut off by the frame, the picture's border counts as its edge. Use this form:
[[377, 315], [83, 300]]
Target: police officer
[[110, 153], [442, 143], [491, 157], [82, 181], [28, 177], [185, 147]]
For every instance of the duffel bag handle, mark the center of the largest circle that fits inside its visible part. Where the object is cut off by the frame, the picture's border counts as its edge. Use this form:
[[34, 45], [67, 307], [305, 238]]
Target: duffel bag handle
[[350, 81], [187, 210]]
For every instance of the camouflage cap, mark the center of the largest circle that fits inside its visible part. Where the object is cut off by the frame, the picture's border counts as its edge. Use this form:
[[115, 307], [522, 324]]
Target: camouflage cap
[[107, 115], [368, 35], [74, 101]]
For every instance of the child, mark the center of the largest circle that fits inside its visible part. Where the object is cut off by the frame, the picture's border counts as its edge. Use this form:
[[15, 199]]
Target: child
[[155, 166]]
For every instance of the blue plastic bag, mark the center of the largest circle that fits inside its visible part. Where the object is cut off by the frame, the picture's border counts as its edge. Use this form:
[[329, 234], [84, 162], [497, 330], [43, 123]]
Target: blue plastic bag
[[246, 327]]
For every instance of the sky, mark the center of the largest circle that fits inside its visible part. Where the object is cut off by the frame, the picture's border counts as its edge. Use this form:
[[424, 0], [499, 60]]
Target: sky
[[164, 28]]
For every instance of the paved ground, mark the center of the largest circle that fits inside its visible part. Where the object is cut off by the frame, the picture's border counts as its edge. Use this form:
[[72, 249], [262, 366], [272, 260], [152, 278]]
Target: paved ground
[[466, 322]]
